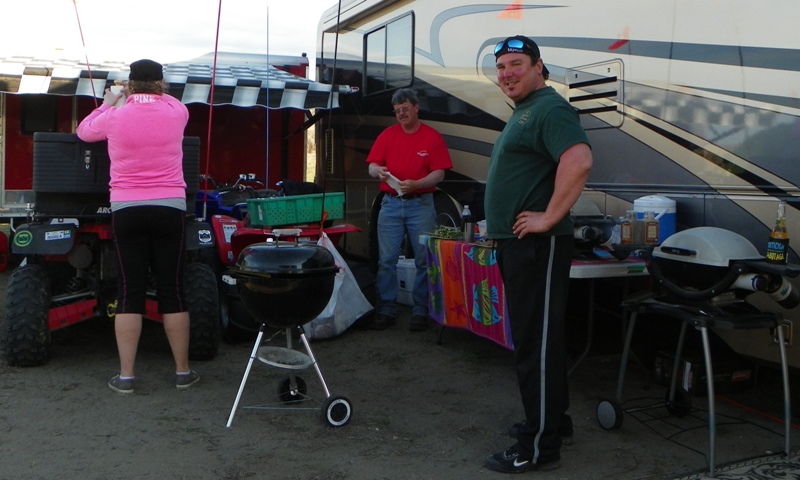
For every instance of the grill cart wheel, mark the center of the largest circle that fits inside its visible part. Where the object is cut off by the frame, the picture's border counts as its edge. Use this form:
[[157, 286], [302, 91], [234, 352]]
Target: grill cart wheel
[[336, 411], [287, 394], [26, 333], [609, 414]]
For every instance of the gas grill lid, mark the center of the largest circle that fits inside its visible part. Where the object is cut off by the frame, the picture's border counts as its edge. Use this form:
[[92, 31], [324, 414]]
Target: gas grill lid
[[709, 246]]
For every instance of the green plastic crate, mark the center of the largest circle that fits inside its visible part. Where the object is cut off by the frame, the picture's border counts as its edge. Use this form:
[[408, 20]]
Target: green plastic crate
[[296, 209]]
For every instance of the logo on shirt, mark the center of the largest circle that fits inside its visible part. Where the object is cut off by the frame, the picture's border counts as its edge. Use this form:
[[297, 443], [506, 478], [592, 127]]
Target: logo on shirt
[[145, 98], [422, 153], [523, 118]]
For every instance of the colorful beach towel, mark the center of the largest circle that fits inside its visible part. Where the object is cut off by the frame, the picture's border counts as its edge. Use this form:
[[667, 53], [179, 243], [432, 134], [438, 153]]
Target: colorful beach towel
[[466, 289]]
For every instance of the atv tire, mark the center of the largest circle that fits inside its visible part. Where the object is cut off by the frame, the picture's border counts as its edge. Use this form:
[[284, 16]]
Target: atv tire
[[200, 284], [26, 332]]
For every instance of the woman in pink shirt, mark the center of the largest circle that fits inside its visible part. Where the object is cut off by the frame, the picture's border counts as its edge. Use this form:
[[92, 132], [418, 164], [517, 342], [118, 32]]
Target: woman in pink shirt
[[148, 205]]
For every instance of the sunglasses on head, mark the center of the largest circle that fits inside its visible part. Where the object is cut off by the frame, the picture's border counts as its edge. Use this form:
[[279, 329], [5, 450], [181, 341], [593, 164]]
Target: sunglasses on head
[[516, 45], [513, 43]]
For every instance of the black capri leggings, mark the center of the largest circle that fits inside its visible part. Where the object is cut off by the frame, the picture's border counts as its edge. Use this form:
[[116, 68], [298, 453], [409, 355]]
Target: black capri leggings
[[150, 238]]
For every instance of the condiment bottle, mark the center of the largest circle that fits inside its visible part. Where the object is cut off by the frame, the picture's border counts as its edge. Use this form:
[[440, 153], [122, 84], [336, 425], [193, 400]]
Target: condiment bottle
[[650, 229], [637, 228], [626, 229], [778, 245]]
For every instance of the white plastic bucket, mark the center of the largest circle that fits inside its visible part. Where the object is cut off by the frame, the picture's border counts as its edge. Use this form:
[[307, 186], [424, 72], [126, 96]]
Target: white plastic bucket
[[664, 209]]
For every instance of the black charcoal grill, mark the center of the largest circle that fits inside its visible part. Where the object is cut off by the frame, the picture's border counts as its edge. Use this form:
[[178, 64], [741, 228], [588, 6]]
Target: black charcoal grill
[[284, 285]]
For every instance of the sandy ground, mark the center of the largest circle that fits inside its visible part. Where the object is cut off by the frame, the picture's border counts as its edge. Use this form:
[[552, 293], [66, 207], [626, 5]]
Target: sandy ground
[[420, 411]]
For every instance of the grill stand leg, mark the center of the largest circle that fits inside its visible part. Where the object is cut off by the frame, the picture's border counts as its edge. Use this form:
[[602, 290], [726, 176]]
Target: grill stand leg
[[625, 352], [673, 382], [787, 409], [314, 361], [712, 416], [253, 355], [712, 419]]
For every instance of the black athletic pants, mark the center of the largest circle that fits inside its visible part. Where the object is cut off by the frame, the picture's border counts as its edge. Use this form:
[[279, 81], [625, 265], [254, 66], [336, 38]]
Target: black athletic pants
[[535, 273], [150, 238]]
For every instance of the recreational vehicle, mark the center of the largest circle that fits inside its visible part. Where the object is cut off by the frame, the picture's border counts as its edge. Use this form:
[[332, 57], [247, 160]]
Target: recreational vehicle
[[696, 101]]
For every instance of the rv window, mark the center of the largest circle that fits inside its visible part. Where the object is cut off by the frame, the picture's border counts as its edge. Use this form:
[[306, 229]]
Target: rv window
[[375, 79], [389, 56]]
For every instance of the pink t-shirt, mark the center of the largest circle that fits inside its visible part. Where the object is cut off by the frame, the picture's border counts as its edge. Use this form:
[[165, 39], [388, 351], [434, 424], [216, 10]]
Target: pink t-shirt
[[145, 145], [410, 155]]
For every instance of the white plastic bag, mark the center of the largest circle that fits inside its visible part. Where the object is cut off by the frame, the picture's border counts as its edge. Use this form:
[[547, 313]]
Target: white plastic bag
[[347, 303]]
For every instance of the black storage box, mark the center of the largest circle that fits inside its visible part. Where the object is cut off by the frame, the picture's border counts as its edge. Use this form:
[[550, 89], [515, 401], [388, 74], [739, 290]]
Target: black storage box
[[730, 374], [70, 176]]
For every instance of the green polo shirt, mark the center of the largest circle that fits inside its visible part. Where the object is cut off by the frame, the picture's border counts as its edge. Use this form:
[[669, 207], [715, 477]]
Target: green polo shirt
[[524, 159]]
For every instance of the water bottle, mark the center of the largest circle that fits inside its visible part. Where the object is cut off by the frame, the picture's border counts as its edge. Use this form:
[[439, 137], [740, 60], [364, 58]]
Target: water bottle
[[468, 223]]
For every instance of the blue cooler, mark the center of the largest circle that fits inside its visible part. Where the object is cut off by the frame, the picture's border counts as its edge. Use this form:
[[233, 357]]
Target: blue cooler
[[664, 209]]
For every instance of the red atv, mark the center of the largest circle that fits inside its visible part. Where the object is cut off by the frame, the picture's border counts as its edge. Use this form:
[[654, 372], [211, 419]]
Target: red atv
[[69, 269]]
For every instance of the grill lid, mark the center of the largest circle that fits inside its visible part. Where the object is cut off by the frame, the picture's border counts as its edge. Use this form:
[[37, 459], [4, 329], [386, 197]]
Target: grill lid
[[300, 259], [709, 246]]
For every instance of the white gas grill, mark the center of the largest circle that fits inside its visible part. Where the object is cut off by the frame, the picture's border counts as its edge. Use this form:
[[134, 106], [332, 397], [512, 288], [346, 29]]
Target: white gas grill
[[702, 277]]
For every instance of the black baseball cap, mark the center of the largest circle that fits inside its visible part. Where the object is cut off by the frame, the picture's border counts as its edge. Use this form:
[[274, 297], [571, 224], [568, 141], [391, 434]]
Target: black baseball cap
[[520, 44], [146, 71]]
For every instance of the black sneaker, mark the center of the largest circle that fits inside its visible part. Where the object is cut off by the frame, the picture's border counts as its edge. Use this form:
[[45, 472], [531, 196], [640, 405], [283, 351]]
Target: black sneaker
[[510, 461], [565, 430], [382, 322], [418, 323]]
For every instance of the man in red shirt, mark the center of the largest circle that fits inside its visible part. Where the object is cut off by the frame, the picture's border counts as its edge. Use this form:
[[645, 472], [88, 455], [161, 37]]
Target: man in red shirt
[[409, 158]]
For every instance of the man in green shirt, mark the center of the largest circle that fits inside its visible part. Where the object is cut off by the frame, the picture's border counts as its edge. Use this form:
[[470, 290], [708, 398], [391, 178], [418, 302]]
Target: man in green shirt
[[538, 169]]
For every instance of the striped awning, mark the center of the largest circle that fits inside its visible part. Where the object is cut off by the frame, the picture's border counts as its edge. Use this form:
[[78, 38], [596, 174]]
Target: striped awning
[[247, 84]]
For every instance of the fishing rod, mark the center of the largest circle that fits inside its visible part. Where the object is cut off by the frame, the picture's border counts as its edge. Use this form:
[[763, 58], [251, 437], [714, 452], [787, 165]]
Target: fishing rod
[[211, 112], [85, 53]]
